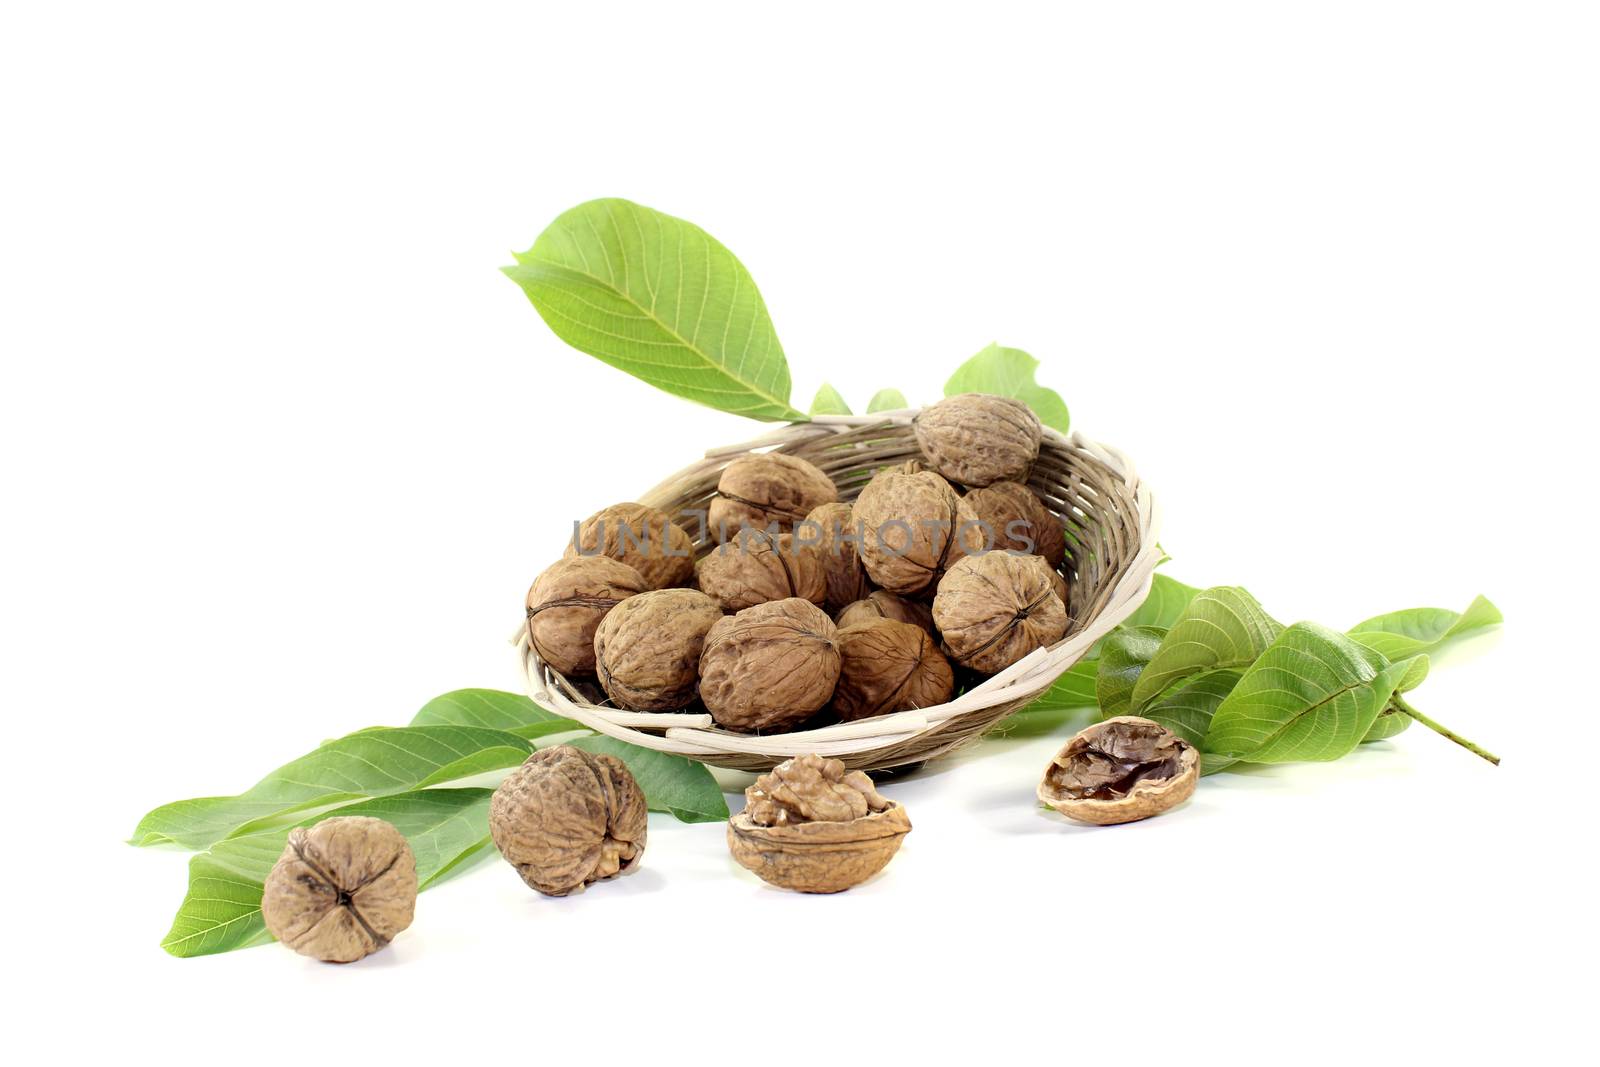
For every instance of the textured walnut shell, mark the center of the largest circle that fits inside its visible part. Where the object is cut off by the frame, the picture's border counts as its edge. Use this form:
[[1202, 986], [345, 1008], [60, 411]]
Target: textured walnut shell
[[834, 530], [767, 488], [644, 538], [567, 602], [996, 608], [567, 818], [770, 667], [976, 439], [342, 889], [1120, 770], [889, 666], [754, 567], [809, 826], [882, 604], [1018, 521], [914, 528], [647, 648]]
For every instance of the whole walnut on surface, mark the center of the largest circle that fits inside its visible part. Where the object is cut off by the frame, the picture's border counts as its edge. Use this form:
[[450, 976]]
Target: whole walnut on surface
[[567, 602], [889, 666], [1018, 521], [996, 608], [882, 604], [1120, 770], [809, 826], [767, 488], [647, 648], [915, 527], [643, 537], [754, 567], [567, 818], [976, 439], [342, 889], [834, 529], [769, 668]]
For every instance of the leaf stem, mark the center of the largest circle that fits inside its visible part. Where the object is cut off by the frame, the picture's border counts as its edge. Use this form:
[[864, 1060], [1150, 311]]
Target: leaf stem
[[1444, 731]]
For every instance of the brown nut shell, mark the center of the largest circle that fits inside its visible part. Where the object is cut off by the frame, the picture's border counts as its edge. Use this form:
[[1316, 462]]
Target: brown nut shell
[[647, 648], [976, 439], [888, 666], [1018, 521], [765, 489], [754, 567], [914, 527], [568, 818], [567, 602], [882, 604], [996, 608], [811, 827], [833, 528], [1120, 770], [769, 668], [643, 537], [342, 889]]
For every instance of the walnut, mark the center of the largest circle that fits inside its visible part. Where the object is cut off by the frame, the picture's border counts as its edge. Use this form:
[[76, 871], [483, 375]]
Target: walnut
[[770, 667], [1018, 521], [567, 817], [1120, 770], [342, 889], [767, 488], [833, 528], [647, 648], [882, 604], [568, 601], [644, 538], [754, 567], [995, 608], [976, 439], [914, 527], [809, 826], [889, 666]]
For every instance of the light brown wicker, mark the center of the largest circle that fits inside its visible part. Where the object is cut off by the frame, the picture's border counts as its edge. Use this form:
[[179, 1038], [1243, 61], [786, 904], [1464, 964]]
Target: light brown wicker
[[1112, 555]]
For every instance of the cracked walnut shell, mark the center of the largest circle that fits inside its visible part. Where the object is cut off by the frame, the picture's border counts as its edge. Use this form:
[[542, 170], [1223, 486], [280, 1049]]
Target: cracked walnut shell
[[767, 488], [567, 818], [1120, 770], [643, 537], [771, 667], [996, 608], [754, 567], [566, 604], [1018, 521], [647, 648], [342, 889], [914, 527], [889, 666], [976, 439], [809, 826]]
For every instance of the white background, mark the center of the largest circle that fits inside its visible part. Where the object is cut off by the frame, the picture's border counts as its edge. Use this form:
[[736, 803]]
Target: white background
[[283, 450]]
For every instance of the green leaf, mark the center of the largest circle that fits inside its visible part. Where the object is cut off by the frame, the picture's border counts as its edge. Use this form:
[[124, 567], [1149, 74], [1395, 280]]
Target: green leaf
[[1406, 633], [1009, 372], [369, 763], [661, 299], [1074, 689], [1392, 720], [493, 709], [829, 402], [1312, 695], [1187, 711], [671, 784], [1222, 628], [1164, 606], [887, 400], [222, 910], [1124, 654]]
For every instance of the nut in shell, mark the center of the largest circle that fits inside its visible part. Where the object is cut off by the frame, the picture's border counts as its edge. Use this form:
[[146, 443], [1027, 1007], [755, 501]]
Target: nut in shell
[[996, 608], [647, 648], [882, 604], [342, 889], [889, 666], [754, 567], [771, 667], [809, 826], [1016, 520], [1120, 770], [832, 527], [766, 489], [567, 818], [567, 602], [914, 527], [643, 537], [976, 439]]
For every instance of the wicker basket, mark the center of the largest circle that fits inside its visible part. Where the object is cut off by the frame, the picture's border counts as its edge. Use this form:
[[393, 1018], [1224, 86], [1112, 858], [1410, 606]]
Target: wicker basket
[[1111, 557]]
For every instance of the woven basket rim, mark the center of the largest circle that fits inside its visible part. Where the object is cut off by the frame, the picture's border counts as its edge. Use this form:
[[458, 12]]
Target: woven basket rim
[[887, 737]]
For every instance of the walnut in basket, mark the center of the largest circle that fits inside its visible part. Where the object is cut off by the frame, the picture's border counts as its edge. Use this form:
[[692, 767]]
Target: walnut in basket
[[915, 527], [647, 648], [882, 604], [755, 567], [643, 537], [833, 528], [769, 668], [765, 489], [977, 439], [996, 608], [1017, 521], [567, 602], [889, 666]]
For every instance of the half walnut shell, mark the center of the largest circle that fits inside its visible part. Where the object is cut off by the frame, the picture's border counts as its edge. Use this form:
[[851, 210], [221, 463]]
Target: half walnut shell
[[1120, 770]]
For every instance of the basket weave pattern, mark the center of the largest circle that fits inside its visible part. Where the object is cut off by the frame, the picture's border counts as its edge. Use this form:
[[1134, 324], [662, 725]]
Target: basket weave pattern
[[1110, 520]]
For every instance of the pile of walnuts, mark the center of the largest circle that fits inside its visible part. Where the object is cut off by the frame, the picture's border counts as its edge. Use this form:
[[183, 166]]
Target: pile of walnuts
[[806, 609]]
